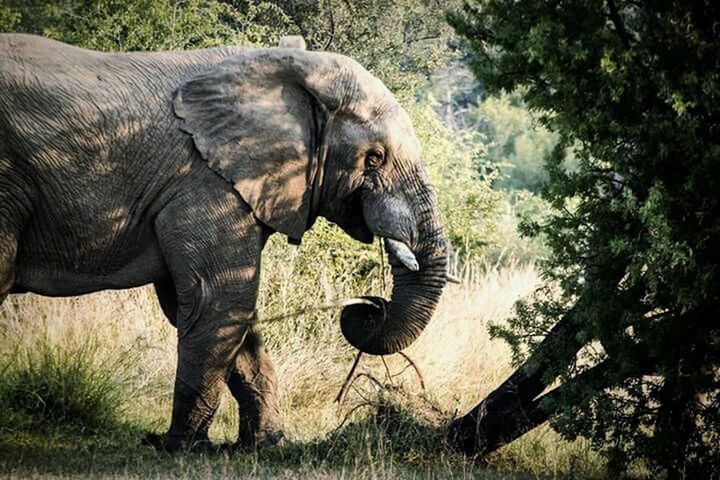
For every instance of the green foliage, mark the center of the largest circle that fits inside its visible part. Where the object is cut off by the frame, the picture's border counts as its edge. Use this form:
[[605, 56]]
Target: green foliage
[[399, 41], [517, 146], [9, 18], [328, 267], [116, 25], [516, 143], [46, 384], [634, 88], [507, 148], [468, 203]]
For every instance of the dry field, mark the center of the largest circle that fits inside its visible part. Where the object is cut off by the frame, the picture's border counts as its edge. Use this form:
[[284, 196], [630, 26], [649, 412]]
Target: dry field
[[118, 344]]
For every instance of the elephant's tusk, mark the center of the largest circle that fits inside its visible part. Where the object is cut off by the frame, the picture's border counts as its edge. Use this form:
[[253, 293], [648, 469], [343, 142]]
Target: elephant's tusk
[[452, 278], [403, 253], [356, 301]]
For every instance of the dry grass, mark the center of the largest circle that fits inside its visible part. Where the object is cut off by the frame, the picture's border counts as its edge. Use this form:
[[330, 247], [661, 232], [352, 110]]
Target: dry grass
[[459, 362]]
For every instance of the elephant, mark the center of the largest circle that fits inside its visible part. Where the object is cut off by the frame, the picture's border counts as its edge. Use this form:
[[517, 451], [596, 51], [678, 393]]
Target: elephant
[[173, 168]]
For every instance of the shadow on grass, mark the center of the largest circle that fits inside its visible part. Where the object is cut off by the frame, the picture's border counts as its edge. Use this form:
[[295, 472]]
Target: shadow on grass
[[390, 443]]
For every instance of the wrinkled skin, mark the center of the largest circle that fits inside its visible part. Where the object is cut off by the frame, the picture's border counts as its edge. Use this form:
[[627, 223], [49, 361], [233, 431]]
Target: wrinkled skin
[[118, 170]]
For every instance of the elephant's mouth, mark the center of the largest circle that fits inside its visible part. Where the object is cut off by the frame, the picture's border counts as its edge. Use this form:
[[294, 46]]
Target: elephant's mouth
[[352, 219], [355, 224]]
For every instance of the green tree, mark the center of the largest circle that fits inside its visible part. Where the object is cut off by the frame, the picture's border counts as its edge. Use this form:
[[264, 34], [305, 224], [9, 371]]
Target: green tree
[[517, 146], [399, 41], [634, 87], [116, 25]]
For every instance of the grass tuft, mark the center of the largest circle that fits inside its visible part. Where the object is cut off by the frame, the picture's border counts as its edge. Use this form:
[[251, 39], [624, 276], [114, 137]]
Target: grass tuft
[[49, 385]]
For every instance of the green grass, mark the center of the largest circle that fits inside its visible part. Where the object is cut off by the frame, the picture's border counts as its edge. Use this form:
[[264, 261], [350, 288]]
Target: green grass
[[62, 415], [387, 441], [46, 384], [389, 444]]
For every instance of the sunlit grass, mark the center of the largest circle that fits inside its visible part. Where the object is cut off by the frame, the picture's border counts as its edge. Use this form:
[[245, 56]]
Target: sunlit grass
[[113, 354]]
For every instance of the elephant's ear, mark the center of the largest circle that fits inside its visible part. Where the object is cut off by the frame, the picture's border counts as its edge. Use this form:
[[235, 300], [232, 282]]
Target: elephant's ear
[[257, 124]]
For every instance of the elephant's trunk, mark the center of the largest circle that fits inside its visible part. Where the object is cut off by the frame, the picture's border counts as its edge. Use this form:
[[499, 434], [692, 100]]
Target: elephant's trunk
[[389, 327]]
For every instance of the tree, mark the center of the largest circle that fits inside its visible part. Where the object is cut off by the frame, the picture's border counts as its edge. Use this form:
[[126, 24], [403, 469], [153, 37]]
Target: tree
[[633, 88], [116, 25], [399, 41]]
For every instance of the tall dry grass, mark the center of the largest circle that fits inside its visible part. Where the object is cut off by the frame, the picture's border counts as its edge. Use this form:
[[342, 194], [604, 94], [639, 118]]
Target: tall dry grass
[[458, 360]]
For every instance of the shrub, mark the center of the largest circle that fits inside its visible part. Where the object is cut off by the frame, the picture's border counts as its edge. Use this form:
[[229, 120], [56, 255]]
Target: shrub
[[48, 384]]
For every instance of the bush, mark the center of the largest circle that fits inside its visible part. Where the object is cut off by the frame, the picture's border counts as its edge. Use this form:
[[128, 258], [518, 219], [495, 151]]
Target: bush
[[632, 86], [517, 145], [114, 25], [327, 268], [77, 385]]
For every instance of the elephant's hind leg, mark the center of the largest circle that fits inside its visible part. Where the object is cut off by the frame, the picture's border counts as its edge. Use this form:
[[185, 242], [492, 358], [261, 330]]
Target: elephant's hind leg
[[251, 379], [8, 252], [167, 297], [15, 210], [210, 332], [253, 383]]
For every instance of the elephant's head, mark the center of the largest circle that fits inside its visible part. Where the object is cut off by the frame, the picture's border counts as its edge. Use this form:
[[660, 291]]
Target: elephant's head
[[301, 134]]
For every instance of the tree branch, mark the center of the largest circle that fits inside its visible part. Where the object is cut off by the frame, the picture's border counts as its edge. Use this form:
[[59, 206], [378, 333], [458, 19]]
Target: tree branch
[[625, 38], [506, 414], [508, 410]]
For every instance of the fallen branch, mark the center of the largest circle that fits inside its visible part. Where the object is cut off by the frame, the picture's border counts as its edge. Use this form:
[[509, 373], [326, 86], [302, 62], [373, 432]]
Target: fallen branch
[[485, 428], [502, 417]]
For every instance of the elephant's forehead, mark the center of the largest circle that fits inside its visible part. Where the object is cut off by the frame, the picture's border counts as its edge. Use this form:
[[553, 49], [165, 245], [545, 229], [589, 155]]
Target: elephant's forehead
[[391, 130], [401, 134]]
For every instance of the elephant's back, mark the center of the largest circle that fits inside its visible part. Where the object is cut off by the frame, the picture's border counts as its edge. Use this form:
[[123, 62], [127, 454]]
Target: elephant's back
[[27, 60], [96, 134], [72, 116], [20, 50], [93, 103]]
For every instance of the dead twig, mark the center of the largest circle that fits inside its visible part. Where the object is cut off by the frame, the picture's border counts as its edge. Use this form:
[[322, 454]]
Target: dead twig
[[415, 367], [347, 415], [374, 380], [346, 384], [387, 370], [331, 33]]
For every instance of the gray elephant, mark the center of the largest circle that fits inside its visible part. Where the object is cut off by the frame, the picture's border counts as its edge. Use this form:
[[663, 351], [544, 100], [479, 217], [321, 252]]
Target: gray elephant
[[173, 168]]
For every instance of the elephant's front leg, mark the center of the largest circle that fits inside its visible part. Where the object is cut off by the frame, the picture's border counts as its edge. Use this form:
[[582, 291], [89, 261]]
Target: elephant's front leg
[[253, 383], [205, 358], [212, 244]]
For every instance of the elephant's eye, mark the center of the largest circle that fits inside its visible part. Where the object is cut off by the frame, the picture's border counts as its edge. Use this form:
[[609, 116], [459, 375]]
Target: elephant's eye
[[374, 159]]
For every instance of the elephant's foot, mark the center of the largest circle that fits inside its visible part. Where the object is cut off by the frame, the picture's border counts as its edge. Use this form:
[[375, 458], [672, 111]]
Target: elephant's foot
[[262, 439], [174, 443]]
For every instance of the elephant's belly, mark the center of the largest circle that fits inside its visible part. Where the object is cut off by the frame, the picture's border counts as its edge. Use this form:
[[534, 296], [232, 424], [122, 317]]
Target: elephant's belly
[[51, 276]]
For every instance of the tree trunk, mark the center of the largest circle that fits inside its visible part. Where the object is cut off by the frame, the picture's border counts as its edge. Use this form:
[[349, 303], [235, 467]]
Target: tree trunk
[[505, 415], [511, 410]]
